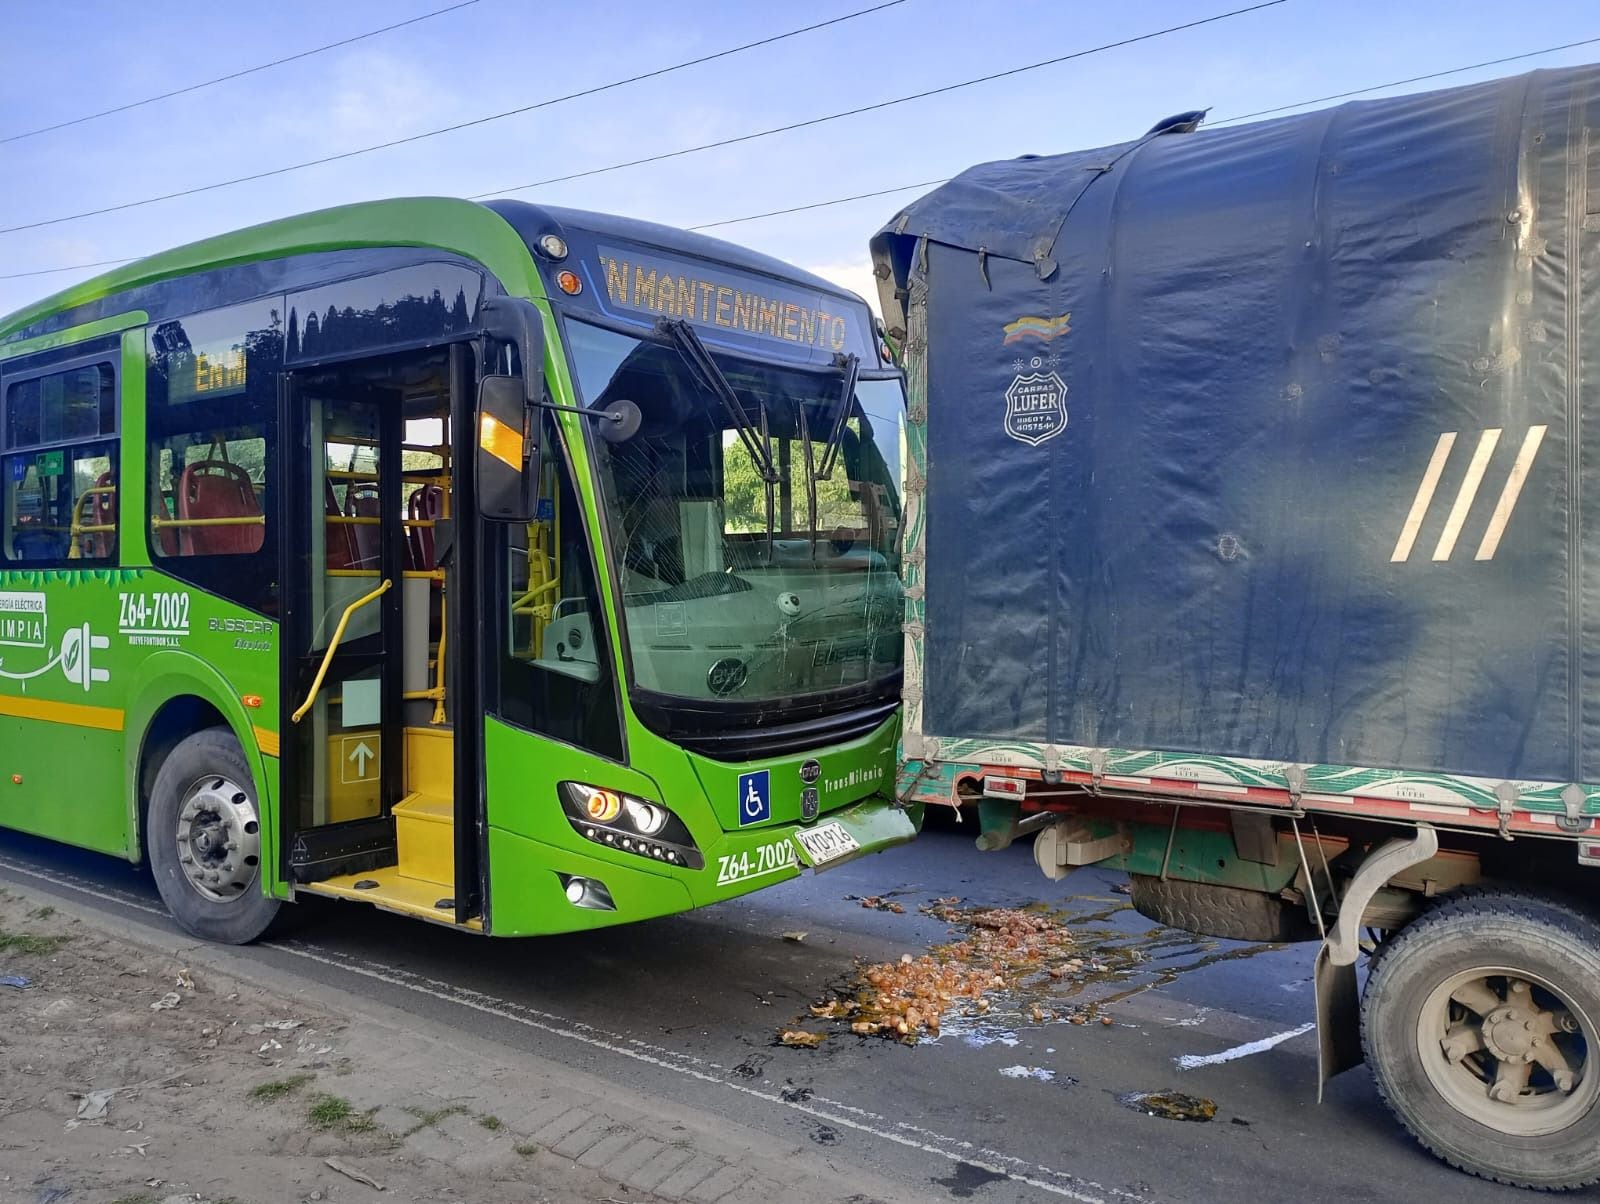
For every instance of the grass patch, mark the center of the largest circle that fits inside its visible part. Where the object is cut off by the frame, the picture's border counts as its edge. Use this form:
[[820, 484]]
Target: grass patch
[[526, 1148], [493, 1123], [279, 1088], [42, 913], [143, 1197], [331, 1112], [30, 942], [428, 1118]]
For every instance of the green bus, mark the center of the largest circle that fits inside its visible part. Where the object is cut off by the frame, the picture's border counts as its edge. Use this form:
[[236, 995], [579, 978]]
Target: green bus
[[517, 568]]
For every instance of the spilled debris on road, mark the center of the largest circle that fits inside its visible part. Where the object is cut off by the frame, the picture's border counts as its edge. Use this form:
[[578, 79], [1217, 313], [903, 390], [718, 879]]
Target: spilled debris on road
[[1007, 967]]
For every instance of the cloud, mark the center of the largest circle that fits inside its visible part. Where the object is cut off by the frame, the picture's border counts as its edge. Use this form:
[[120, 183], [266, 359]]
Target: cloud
[[855, 275]]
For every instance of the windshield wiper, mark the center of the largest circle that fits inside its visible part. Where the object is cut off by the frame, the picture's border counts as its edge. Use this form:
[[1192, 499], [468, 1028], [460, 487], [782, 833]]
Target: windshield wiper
[[754, 438], [849, 369]]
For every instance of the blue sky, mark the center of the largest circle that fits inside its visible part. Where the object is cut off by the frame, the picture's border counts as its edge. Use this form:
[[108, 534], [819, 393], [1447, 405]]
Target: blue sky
[[68, 57]]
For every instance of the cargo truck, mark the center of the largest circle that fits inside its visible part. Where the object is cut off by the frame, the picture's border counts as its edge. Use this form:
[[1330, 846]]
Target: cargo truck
[[1253, 547]]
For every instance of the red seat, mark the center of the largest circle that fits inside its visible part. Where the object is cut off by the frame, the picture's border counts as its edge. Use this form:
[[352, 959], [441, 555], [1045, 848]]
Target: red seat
[[212, 489]]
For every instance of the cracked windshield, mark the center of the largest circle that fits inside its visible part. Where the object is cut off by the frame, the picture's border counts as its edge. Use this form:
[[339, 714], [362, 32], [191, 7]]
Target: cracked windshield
[[754, 519]]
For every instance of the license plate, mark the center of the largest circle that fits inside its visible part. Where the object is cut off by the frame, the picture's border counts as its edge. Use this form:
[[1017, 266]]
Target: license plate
[[827, 843]]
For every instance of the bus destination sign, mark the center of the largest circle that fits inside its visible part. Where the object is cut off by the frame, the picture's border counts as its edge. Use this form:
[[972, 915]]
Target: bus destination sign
[[712, 295]]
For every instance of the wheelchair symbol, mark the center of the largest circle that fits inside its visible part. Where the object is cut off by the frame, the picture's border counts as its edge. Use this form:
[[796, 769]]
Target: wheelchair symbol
[[755, 797]]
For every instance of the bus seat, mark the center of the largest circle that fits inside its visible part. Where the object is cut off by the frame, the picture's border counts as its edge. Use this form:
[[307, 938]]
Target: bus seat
[[339, 537], [102, 512], [425, 504], [218, 489], [361, 501]]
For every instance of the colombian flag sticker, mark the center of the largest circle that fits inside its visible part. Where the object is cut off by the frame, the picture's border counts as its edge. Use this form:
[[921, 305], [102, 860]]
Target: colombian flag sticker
[[1044, 329]]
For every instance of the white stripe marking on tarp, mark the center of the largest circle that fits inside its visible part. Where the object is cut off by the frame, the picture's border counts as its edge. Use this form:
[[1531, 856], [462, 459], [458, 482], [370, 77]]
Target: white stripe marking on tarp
[[1424, 498], [1509, 495], [1466, 494]]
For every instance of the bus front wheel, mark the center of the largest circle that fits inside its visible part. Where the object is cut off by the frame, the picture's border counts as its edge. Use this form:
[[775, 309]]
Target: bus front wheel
[[203, 832], [1480, 1020]]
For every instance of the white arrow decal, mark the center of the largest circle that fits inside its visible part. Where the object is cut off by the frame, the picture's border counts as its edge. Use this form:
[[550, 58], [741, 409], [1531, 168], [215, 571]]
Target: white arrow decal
[[361, 754]]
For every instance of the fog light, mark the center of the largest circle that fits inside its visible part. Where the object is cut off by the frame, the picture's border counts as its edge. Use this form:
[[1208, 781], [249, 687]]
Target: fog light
[[553, 246], [588, 893]]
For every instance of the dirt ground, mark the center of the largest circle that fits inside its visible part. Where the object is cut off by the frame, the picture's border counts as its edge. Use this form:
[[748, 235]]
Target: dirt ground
[[128, 1077]]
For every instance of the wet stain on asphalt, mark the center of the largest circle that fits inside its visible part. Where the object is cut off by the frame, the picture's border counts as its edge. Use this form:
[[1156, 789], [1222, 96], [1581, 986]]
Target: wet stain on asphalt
[[967, 1178], [1173, 1105], [752, 1066]]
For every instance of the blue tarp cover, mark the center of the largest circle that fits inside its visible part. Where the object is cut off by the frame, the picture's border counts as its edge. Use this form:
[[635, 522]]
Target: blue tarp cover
[[1268, 441]]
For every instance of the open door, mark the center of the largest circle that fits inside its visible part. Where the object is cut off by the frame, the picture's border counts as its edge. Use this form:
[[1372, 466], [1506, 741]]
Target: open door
[[368, 765]]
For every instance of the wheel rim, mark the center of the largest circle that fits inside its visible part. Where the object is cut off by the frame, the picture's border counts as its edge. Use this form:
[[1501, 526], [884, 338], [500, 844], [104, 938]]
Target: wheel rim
[[1509, 1049], [219, 839]]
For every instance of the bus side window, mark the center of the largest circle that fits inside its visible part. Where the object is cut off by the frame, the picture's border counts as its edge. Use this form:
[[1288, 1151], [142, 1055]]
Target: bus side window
[[211, 383], [59, 467], [555, 664]]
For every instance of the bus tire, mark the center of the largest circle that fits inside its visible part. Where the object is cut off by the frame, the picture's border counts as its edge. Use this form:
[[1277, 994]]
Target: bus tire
[[204, 836], [1478, 1022]]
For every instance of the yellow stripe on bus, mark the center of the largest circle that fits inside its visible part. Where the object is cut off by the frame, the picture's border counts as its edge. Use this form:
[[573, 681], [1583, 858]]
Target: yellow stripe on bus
[[78, 714], [267, 742]]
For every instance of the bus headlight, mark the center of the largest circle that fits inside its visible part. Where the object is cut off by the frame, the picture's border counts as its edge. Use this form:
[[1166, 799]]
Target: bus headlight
[[630, 825], [646, 818]]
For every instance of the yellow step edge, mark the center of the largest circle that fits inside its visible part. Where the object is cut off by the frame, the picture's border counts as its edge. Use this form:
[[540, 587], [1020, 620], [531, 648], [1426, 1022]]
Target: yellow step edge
[[394, 892]]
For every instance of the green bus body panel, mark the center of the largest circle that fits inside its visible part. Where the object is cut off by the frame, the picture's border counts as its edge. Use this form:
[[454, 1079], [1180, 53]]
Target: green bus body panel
[[76, 704], [134, 318], [531, 840]]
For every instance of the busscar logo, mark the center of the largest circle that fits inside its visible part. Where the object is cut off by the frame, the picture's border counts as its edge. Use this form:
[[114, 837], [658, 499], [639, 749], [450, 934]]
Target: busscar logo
[[1036, 407]]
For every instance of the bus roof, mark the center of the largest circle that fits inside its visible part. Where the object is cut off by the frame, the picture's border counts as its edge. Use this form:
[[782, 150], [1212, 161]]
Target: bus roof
[[498, 234]]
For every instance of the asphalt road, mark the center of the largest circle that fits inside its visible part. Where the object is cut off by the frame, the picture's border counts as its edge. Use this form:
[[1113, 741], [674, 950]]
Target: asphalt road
[[999, 1110]]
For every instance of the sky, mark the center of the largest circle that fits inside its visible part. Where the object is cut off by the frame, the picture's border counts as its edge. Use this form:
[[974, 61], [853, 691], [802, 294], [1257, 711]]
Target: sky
[[68, 58]]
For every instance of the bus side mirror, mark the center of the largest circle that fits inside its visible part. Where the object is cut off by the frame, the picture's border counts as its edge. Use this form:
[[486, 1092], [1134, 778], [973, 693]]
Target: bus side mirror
[[505, 483]]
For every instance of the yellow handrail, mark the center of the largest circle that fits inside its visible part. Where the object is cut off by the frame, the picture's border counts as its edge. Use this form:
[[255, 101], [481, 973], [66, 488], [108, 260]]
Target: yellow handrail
[[333, 646]]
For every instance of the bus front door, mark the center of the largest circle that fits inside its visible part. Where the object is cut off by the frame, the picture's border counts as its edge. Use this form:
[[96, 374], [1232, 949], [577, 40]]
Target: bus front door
[[344, 574]]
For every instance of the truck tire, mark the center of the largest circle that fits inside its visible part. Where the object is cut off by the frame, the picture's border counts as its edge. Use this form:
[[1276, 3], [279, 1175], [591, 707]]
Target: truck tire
[[1221, 911], [1478, 1021], [204, 836]]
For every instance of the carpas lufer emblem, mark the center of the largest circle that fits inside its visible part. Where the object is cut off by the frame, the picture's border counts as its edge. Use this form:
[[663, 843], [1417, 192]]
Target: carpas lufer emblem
[[1036, 407]]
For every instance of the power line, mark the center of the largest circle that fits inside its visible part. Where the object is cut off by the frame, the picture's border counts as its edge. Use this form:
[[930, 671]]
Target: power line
[[1396, 83], [71, 267], [222, 79], [462, 125], [755, 217], [733, 221], [873, 108]]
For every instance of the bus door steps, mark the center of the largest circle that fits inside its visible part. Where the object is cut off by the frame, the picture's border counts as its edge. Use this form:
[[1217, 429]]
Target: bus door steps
[[425, 832], [417, 883]]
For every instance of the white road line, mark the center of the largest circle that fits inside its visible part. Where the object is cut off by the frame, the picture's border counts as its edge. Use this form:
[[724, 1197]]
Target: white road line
[[1424, 498], [1466, 494], [925, 1141], [1192, 1061], [1508, 495]]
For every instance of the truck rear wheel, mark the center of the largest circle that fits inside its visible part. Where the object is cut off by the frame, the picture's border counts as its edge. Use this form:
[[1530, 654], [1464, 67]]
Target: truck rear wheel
[[203, 833], [1478, 1021]]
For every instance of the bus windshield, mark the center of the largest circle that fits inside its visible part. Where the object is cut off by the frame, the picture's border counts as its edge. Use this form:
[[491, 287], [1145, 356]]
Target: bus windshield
[[727, 597]]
